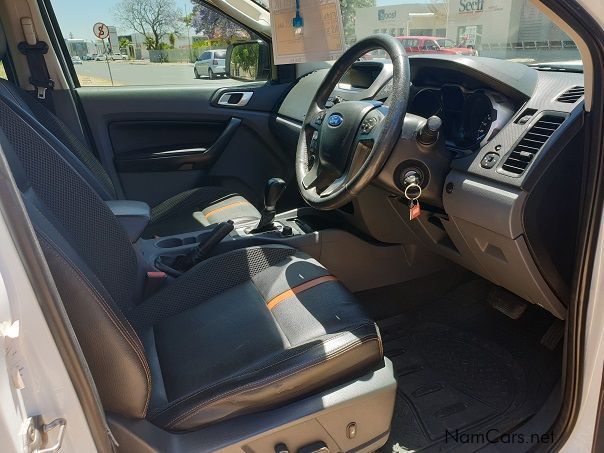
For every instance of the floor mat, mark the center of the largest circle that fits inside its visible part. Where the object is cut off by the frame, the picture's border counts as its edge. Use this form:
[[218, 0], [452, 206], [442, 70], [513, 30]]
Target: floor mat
[[463, 368]]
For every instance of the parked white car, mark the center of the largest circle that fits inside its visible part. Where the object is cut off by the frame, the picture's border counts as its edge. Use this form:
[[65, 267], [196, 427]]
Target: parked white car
[[117, 56], [210, 63], [111, 56]]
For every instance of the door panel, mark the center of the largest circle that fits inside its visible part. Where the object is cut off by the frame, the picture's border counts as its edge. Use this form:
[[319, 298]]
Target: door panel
[[159, 141], [136, 137], [169, 145]]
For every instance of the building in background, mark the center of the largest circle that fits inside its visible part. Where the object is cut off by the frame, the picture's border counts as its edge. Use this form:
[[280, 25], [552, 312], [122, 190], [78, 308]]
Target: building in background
[[113, 43], [79, 47], [476, 23], [137, 48], [410, 19]]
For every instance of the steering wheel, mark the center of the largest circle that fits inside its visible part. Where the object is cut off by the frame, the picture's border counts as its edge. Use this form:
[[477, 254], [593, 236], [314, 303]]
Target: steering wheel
[[342, 148]]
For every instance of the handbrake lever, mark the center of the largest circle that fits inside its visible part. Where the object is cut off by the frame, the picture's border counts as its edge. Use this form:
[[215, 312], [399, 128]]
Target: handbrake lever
[[202, 251]]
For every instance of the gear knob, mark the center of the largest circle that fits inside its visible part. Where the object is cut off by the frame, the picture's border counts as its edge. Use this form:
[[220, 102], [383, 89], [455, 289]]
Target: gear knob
[[272, 192]]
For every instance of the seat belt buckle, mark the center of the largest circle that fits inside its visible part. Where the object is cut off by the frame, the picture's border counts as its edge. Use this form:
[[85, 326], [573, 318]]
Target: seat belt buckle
[[154, 282], [41, 92]]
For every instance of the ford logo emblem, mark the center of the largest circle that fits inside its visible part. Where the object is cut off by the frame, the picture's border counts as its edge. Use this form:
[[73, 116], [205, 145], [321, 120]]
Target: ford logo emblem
[[335, 120]]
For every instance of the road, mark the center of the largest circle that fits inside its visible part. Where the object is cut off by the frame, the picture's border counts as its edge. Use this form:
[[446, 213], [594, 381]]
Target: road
[[96, 73]]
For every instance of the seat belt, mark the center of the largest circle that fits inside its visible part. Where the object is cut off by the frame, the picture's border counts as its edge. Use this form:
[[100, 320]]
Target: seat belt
[[34, 51]]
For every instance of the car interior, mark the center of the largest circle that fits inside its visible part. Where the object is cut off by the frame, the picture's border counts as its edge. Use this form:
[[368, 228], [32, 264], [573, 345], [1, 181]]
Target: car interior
[[366, 256]]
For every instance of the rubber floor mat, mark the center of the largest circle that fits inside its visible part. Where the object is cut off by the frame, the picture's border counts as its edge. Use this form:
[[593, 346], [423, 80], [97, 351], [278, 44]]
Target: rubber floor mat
[[464, 369]]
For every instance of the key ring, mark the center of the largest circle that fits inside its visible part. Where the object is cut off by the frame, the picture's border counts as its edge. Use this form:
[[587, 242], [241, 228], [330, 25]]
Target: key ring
[[416, 187]]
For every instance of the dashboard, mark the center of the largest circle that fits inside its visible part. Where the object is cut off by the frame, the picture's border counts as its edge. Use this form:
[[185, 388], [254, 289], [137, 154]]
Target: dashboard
[[510, 133], [470, 117]]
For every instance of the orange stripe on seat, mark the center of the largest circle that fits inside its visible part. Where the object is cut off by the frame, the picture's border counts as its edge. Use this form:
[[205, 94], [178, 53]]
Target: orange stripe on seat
[[298, 289], [228, 206]]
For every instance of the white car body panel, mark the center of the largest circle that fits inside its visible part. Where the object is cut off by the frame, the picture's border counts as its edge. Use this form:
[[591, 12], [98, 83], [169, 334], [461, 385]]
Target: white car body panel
[[30, 358]]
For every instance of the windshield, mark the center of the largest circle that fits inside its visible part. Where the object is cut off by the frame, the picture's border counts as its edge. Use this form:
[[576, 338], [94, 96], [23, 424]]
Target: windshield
[[505, 29]]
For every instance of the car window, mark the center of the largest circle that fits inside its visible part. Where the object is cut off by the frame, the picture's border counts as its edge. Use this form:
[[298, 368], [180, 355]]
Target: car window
[[151, 42], [429, 44], [408, 42], [446, 43], [2, 71]]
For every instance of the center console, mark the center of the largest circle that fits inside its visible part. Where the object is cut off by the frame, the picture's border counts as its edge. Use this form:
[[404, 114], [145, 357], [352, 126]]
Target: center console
[[298, 228]]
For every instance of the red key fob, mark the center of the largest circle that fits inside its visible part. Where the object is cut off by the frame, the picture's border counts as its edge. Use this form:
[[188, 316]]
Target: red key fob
[[414, 209]]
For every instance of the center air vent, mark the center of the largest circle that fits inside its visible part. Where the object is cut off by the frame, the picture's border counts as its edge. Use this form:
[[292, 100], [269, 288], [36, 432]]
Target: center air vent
[[531, 143], [571, 95]]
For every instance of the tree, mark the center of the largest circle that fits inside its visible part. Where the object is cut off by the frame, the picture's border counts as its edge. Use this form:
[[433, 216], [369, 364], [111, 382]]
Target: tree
[[125, 43], [172, 39], [151, 18], [215, 25], [349, 15], [150, 43], [245, 60]]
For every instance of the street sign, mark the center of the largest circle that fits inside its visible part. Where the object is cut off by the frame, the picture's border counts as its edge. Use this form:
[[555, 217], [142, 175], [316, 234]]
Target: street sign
[[100, 30]]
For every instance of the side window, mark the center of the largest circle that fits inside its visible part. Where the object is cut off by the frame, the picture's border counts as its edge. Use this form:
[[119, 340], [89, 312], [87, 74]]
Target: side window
[[150, 42]]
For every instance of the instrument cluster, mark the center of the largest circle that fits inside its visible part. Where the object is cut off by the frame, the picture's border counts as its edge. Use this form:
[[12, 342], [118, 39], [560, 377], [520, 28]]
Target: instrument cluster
[[470, 117]]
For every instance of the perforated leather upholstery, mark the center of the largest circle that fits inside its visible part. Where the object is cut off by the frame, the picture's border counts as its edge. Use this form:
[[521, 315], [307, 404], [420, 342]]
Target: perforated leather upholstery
[[241, 332]]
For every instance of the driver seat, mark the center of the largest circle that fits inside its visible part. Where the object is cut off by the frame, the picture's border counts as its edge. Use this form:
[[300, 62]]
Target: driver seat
[[242, 332]]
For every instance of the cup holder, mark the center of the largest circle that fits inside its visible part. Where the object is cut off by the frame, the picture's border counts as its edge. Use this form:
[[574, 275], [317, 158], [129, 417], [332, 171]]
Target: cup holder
[[169, 243]]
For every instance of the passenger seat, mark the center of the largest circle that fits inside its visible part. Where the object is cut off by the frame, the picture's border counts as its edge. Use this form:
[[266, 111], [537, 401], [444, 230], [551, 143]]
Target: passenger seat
[[172, 216]]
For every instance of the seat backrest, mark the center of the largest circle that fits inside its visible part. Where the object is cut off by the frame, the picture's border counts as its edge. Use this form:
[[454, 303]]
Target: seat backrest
[[94, 172], [90, 257], [87, 164]]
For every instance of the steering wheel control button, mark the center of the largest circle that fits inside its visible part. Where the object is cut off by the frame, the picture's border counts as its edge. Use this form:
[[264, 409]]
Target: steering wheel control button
[[368, 124], [335, 120], [319, 118], [429, 132], [489, 160]]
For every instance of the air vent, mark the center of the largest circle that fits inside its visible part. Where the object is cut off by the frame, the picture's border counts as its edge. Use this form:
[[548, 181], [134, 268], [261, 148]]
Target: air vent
[[571, 95], [531, 143]]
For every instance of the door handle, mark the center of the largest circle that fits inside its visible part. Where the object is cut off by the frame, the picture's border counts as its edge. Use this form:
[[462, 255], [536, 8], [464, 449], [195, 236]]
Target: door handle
[[235, 98]]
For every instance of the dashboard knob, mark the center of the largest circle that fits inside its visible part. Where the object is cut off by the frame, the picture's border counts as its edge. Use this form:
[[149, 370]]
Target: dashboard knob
[[429, 132]]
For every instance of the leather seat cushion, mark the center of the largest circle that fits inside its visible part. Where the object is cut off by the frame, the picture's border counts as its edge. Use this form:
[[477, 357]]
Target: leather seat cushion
[[261, 327], [199, 207]]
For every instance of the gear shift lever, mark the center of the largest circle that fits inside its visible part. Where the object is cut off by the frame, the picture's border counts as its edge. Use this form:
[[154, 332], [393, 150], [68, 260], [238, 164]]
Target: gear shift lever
[[272, 192]]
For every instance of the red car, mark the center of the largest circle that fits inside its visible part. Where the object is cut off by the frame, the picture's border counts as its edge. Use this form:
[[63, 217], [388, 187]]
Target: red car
[[434, 44]]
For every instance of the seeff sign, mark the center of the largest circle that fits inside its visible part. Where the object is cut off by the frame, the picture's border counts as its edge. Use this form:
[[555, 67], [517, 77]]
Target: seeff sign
[[471, 6], [386, 15]]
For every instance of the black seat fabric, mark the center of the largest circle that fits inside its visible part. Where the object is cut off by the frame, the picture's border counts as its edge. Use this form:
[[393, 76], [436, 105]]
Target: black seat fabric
[[241, 332], [247, 331], [178, 214]]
